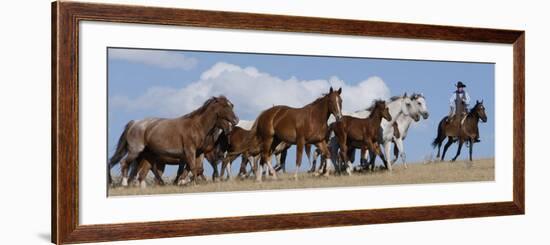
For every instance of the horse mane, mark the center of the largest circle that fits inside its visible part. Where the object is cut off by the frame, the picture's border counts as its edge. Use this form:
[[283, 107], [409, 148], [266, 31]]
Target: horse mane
[[374, 103], [204, 106], [396, 97], [322, 97]]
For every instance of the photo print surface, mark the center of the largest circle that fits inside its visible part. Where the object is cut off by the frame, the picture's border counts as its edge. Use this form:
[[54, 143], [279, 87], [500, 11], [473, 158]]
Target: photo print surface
[[201, 121]]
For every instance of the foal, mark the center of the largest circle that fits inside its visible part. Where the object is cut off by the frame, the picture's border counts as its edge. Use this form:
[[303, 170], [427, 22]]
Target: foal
[[361, 133]]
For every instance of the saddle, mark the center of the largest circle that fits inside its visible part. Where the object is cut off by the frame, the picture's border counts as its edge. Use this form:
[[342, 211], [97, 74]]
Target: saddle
[[462, 118]]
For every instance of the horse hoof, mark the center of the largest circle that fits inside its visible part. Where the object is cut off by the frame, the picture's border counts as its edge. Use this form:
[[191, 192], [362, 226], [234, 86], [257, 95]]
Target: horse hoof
[[124, 182], [143, 185]]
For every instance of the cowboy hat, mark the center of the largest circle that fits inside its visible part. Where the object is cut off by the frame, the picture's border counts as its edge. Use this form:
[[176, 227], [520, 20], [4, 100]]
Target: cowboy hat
[[460, 85]]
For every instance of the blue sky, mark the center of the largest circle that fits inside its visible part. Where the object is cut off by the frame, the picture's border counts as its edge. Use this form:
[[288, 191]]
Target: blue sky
[[165, 83]]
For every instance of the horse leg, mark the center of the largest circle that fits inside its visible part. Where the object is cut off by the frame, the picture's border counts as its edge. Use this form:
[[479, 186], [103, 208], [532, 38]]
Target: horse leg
[[327, 156], [180, 173], [342, 143], [278, 160], [308, 153], [351, 155], [228, 170], [244, 162], [364, 161], [378, 152], [124, 165], [313, 164], [226, 165], [142, 169], [401, 151], [460, 143], [265, 157], [372, 159], [254, 162], [134, 170], [471, 141], [282, 160], [299, 151], [396, 152], [344, 156], [215, 173], [450, 141], [387, 148], [225, 161], [158, 170], [199, 163]]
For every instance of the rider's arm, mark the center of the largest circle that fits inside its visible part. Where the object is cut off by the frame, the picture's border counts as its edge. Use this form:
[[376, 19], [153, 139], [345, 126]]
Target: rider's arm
[[452, 100]]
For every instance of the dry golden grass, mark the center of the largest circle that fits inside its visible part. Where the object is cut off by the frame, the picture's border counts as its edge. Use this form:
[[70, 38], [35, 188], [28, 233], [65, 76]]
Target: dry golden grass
[[438, 172]]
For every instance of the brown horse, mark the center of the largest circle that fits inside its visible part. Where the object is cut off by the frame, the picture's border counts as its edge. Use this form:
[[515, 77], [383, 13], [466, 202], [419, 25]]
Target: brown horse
[[241, 142], [299, 126], [173, 139], [462, 130], [361, 133], [212, 149]]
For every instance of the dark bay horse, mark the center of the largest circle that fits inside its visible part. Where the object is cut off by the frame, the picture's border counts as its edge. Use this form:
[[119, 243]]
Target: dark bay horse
[[463, 130], [299, 126], [243, 143], [173, 139], [240, 143], [363, 133]]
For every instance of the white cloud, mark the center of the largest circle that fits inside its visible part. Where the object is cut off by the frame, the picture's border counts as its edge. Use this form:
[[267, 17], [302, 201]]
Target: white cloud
[[252, 91], [159, 58]]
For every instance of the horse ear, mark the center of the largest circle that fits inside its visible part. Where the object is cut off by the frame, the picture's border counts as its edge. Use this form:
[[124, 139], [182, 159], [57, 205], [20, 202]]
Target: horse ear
[[340, 90], [405, 94], [331, 90], [481, 101], [477, 101]]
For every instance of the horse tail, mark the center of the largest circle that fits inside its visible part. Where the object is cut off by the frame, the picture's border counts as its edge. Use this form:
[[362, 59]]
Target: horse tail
[[122, 146], [440, 134]]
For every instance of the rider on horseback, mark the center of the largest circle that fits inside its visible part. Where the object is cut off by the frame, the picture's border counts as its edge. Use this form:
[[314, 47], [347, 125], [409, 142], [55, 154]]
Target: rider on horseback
[[459, 96]]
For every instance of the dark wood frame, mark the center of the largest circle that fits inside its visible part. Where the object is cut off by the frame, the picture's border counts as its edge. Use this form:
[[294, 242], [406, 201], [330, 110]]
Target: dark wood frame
[[65, 121]]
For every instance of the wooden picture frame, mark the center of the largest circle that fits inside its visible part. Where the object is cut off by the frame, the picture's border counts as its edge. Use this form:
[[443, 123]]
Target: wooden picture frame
[[65, 121]]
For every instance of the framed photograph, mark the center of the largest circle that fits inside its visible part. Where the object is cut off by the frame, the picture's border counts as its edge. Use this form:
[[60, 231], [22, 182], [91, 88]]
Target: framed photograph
[[176, 122]]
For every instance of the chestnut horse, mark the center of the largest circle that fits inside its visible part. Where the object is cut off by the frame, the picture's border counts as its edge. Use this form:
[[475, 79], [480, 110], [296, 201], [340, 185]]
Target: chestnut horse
[[462, 130], [299, 126], [174, 139], [362, 133]]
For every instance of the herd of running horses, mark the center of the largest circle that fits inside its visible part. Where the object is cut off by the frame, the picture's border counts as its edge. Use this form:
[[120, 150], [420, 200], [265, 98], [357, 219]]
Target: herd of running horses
[[214, 132]]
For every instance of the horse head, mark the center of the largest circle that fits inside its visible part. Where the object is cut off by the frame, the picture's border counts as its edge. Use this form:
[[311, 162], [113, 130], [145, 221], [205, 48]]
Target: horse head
[[408, 108], [479, 110], [419, 102], [335, 103], [225, 116], [381, 109]]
